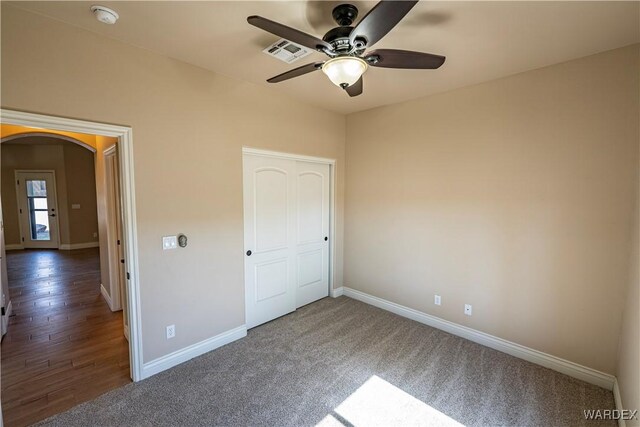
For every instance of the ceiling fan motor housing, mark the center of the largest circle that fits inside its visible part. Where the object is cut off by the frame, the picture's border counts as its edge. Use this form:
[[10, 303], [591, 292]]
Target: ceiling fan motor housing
[[345, 14]]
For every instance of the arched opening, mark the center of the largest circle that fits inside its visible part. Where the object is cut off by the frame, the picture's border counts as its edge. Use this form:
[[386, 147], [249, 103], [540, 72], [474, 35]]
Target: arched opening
[[49, 134]]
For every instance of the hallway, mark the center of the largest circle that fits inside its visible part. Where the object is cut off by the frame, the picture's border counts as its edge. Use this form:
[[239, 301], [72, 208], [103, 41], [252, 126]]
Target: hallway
[[64, 346]]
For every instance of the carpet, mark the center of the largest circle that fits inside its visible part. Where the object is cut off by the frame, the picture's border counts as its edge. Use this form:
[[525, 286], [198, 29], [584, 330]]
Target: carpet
[[340, 362]]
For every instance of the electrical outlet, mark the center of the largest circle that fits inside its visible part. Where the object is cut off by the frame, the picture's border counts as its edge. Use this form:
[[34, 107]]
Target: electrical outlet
[[437, 300], [467, 309], [171, 331], [95, 235]]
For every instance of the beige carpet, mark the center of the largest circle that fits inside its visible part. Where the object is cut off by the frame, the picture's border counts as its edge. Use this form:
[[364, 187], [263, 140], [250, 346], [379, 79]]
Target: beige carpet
[[341, 362]]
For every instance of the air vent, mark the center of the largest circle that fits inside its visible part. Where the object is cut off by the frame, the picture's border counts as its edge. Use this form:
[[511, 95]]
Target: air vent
[[287, 51]]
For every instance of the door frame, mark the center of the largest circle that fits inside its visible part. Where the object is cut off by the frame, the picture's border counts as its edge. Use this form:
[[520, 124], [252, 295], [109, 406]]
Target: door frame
[[332, 200], [127, 188], [55, 195]]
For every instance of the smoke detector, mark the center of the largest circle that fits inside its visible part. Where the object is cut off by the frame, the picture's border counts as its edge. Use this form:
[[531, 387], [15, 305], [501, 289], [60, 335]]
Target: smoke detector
[[105, 15]]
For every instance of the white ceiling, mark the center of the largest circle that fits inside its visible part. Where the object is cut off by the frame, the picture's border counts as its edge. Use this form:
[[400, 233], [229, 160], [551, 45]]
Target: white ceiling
[[481, 40]]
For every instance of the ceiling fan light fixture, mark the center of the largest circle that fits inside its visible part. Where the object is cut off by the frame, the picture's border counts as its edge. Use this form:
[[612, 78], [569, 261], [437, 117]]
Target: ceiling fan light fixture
[[345, 70]]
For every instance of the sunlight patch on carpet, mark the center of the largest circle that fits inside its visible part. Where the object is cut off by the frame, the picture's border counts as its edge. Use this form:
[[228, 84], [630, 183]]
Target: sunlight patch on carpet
[[379, 403]]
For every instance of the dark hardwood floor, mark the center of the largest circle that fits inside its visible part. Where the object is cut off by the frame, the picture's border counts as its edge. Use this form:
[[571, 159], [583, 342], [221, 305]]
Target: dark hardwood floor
[[64, 346]]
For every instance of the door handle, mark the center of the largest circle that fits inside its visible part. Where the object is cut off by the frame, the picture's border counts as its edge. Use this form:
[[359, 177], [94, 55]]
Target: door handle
[[326, 238], [52, 215], [249, 253]]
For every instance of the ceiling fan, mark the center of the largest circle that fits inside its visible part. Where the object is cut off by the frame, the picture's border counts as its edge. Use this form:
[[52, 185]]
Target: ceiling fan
[[346, 45]]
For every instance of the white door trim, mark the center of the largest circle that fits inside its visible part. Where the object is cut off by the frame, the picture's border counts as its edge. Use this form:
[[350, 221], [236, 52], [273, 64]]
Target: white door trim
[[332, 195], [56, 219], [125, 140]]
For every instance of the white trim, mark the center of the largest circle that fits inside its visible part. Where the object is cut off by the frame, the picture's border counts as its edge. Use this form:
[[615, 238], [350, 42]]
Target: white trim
[[125, 141], [566, 367], [288, 156], [618, 399], [337, 292], [14, 247], [72, 246], [13, 117], [106, 296], [48, 135], [180, 356], [5, 319]]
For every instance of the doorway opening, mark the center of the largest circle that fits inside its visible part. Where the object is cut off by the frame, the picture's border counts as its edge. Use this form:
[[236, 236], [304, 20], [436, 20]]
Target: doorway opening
[[70, 296]]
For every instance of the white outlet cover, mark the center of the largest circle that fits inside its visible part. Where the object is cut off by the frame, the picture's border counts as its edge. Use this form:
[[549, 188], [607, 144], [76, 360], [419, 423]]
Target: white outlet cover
[[468, 309], [171, 331], [437, 300], [169, 242]]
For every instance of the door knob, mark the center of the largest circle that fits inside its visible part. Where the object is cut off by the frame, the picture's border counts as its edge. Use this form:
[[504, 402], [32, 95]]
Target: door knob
[[52, 215], [326, 238], [249, 253]]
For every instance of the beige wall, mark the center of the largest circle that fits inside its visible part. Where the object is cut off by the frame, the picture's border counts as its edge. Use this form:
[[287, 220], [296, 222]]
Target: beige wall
[[81, 190], [189, 126], [43, 157], [515, 196], [628, 372], [73, 166]]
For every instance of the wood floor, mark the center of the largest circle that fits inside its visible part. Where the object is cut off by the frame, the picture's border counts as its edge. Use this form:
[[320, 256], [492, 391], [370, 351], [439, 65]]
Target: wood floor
[[64, 346]]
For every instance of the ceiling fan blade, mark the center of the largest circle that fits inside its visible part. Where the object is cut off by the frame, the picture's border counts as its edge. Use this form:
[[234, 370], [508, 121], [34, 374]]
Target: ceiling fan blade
[[380, 20], [288, 33], [355, 89], [393, 58], [296, 72]]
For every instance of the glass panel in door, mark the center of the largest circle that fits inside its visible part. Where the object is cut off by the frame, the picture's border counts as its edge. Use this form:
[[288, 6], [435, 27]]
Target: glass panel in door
[[39, 226]]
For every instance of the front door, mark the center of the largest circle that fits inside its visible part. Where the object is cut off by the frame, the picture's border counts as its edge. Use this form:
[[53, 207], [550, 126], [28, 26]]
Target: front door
[[37, 209]]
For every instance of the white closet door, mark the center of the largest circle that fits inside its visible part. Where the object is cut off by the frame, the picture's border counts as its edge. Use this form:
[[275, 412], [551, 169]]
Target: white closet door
[[270, 256], [312, 232]]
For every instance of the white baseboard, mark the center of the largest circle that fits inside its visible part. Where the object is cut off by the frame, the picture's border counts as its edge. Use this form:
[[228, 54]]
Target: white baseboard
[[337, 292], [180, 356], [72, 246], [566, 367], [106, 296], [618, 399], [5, 319], [14, 247]]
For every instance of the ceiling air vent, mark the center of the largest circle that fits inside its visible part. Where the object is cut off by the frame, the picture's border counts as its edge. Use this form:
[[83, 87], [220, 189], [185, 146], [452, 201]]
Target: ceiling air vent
[[287, 51]]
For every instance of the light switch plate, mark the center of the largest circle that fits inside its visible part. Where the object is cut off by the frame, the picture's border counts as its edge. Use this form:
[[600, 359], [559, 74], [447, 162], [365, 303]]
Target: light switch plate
[[169, 242]]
